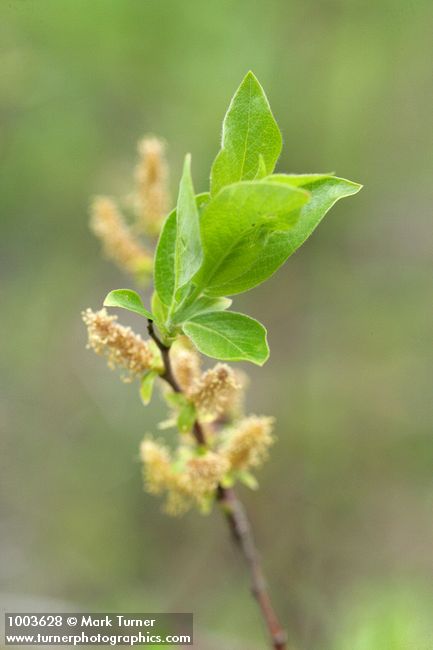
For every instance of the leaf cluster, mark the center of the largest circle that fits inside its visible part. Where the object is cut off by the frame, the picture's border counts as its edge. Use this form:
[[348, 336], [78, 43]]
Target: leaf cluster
[[227, 241]]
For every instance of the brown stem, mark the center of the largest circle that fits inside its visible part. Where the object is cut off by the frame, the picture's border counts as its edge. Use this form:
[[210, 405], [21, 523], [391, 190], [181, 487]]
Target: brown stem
[[237, 519], [240, 528], [169, 377], [165, 353]]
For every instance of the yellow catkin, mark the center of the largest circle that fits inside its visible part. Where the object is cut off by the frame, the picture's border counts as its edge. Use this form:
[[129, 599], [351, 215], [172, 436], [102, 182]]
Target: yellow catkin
[[247, 444], [118, 242], [161, 478], [195, 483], [216, 391], [185, 483], [176, 503], [204, 473], [120, 345], [186, 366], [157, 464], [151, 177], [236, 406]]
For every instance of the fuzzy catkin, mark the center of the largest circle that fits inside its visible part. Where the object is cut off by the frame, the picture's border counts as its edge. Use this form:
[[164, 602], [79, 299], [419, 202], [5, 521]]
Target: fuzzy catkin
[[184, 481], [186, 366], [120, 345], [118, 242], [151, 177], [156, 459], [216, 391], [246, 445]]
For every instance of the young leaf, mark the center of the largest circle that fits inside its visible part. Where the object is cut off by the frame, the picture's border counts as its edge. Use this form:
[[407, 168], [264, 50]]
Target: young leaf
[[159, 310], [164, 260], [228, 480], [177, 400], [165, 254], [249, 131], [325, 191], [248, 479], [201, 306], [127, 299], [298, 180], [146, 387], [188, 252], [228, 336], [235, 226], [186, 417], [278, 245]]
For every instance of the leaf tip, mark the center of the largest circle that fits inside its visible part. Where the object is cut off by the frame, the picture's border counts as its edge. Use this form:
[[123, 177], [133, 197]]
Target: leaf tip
[[353, 184], [126, 299], [356, 187], [109, 300], [112, 297], [250, 77]]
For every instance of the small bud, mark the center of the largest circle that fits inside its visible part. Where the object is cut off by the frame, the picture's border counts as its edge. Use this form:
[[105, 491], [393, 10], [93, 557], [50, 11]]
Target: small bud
[[151, 176], [118, 242], [247, 444], [122, 347]]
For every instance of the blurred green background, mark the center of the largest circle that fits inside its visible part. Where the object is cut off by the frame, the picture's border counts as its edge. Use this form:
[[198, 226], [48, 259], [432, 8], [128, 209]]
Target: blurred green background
[[343, 517]]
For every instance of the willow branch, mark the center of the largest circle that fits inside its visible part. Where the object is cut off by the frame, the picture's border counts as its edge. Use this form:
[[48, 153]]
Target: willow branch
[[236, 518], [242, 534]]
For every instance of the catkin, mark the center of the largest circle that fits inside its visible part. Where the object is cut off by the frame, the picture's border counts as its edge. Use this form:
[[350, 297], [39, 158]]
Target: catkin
[[151, 177], [246, 445], [216, 391], [118, 242], [120, 345]]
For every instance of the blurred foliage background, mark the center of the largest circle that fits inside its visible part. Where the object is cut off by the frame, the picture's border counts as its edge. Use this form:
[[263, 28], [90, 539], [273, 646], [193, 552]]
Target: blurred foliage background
[[343, 516]]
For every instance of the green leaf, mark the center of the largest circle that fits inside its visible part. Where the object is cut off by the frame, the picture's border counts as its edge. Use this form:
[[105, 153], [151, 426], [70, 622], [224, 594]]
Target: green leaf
[[165, 255], [248, 479], [159, 310], [228, 336], [146, 386], [186, 418], [235, 227], [201, 306], [249, 131], [228, 480], [297, 180], [277, 246], [325, 191], [174, 399], [127, 299], [164, 260], [188, 252]]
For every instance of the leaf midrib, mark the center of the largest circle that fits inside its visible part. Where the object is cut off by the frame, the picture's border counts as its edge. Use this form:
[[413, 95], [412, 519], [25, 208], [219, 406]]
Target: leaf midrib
[[248, 129]]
